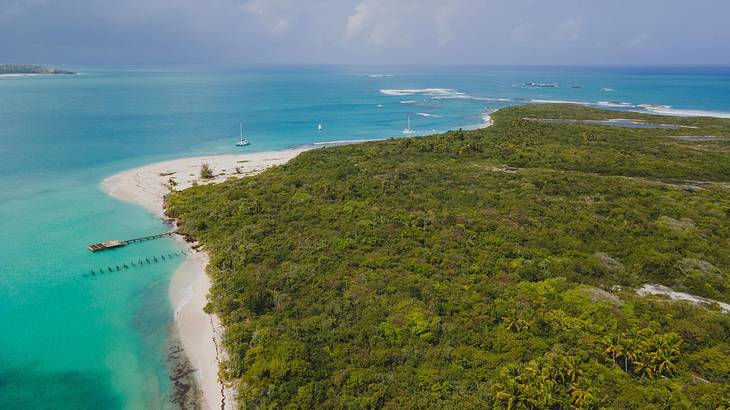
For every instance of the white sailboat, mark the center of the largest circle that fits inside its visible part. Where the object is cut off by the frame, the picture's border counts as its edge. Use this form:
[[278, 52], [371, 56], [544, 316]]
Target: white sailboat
[[242, 142], [408, 130], [320, 127]]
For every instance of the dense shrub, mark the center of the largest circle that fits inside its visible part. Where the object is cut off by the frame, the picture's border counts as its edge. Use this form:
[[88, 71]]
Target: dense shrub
[[475, 268]]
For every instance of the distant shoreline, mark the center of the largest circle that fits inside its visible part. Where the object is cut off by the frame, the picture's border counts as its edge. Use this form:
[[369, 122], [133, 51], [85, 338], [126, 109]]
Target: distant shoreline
[[36, 74], [30, 69]]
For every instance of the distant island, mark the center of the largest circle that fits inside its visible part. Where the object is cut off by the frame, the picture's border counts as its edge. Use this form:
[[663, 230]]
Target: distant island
[[30, 69]]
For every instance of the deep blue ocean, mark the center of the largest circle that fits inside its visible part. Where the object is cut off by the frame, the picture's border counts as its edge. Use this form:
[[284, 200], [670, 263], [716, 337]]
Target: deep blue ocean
[[70, 341]]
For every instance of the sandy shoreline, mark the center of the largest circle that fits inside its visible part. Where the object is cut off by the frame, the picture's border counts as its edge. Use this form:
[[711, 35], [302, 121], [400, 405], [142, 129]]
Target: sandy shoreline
[[200, 333]]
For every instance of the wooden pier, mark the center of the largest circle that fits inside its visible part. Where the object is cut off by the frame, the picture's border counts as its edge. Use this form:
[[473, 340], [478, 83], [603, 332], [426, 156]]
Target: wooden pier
[[94, 247]]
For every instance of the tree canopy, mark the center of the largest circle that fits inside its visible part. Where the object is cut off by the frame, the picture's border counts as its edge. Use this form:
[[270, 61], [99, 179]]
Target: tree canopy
[[473, 269]]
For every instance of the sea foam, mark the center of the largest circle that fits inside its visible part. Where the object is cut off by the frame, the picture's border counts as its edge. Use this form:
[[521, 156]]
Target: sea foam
[[428, 92], [346, 142], [487, 120], [668, 110]]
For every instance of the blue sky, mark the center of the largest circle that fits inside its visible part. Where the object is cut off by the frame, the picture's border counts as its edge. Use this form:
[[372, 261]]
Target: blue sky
[[365, 31]]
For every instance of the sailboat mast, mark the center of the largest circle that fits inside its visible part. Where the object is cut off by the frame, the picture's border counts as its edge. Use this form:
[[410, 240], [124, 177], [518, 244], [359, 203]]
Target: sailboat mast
[[240, 127]]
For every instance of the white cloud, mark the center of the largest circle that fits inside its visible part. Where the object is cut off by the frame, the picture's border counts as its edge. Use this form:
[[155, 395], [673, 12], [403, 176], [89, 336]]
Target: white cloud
[[17, 8], [521, 33], [388, 23], [277, 15], [638, 41], [569, 29]]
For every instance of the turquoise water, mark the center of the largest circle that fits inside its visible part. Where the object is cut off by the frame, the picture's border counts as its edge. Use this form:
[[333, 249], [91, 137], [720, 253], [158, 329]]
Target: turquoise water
[[75, 342]]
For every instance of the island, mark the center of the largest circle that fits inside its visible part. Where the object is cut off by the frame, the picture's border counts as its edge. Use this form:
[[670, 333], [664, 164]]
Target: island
[[552, 260], [18, 69]]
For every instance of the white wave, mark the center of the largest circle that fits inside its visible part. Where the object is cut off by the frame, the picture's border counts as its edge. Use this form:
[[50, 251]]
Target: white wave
[[487, 120], [608, 90], [614, 104], [26, 75], [429, 92], [425, 114], [676, 112], [397, 93], [379, 75], [408, 102], [537, 85], [652, 106], [490, 99], [342, 142], [453, 96], [559, 102], [438, 94], [379, 105], [37, 75]]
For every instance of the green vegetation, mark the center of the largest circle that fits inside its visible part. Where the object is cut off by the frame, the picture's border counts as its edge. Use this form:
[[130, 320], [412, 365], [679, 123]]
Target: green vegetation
[[477, 269], [171, 184], [206, 172], [30, 69]]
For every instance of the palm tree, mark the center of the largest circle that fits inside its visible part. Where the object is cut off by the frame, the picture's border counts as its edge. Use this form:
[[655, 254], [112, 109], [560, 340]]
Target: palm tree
[[613, 347], [516, 324], [581, 397], [629, 347], [510, 393], [571, 369], [511, 371], [643, 365], [664, 351], [666, 367]]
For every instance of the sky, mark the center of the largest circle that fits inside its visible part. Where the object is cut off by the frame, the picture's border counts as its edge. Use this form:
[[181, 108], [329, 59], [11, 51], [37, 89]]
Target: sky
[[377, 32]]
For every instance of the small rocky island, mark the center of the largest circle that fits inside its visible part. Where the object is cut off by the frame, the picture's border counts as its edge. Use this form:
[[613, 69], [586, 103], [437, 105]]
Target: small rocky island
[[30, 69]]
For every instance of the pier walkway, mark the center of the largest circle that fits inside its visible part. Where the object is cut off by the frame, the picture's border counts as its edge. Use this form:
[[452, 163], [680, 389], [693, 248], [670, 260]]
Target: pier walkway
[[95, 247]]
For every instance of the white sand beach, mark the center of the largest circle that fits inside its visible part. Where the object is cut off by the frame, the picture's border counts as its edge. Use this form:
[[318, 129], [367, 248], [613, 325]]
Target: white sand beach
[[200, 333]]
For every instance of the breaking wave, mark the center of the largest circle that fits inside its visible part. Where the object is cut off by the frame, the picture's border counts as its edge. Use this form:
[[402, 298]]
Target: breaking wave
[[427, 92], [668, 110]]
